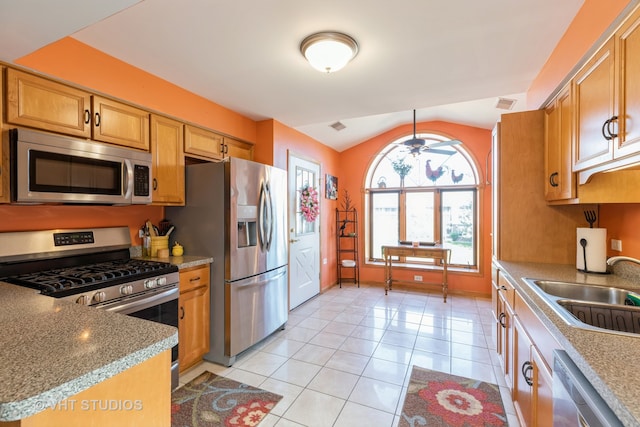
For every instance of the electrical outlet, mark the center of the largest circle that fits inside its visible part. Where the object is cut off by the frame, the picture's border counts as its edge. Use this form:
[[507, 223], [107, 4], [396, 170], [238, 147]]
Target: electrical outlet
[[417, 278], [616, 245], [324, 260]]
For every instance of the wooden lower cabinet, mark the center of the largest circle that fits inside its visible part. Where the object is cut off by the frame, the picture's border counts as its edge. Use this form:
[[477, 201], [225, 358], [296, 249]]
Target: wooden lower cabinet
[[525, 349], [532, 381], [139, 396], [505, 334], [543, 391], [193, 316]]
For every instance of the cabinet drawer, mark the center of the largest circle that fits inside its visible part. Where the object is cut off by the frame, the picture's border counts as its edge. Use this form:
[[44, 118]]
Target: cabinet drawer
[[507, 289], [193, 278]]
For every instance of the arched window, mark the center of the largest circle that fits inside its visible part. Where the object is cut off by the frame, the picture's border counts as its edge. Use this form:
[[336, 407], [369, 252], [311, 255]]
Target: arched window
[[430, 196]]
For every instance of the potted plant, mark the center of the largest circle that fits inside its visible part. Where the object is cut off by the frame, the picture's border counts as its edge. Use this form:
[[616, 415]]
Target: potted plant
[[401, 168]]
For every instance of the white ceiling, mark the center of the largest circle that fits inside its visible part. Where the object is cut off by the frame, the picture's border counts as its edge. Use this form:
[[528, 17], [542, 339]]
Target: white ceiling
[[450, 60]]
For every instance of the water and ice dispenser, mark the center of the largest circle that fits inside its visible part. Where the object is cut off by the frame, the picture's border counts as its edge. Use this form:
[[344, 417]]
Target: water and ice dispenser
[[247, 226]]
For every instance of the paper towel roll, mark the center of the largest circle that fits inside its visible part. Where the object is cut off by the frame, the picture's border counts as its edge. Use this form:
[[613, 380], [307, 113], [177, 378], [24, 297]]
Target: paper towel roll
[[596, 249]]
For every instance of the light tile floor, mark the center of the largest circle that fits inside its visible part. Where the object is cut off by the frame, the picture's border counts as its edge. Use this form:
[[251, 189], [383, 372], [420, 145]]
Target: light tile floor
[[345, 356]]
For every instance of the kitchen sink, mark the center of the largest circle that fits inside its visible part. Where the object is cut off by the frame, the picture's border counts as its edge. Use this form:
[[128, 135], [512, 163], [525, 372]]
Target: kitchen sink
[[591, 307], [613, 317], [584, 292]]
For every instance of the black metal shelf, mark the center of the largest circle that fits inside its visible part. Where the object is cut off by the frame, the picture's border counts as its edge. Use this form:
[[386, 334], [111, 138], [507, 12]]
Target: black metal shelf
[[347, 223]]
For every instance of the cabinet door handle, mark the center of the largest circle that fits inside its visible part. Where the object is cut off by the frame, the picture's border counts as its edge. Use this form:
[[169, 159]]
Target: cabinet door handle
[[181, 312], [552, 179], [294, 240], [87, 116], [527, 367], [155, 184], [501, 320], [97, 119], [609, 131], [603, 130]]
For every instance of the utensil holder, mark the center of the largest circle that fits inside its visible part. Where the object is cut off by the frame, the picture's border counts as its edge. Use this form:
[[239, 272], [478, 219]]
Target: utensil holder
[[158, 242]]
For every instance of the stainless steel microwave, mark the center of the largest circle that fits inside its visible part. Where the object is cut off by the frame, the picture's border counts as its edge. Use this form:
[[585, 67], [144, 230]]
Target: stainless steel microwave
[[47, 168]]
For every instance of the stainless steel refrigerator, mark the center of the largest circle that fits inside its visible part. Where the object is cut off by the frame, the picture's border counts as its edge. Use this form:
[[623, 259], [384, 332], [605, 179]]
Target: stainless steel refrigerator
[[236, 212]]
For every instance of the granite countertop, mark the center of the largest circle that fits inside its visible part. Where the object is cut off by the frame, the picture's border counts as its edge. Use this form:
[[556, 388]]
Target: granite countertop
[[186, 261], [606, 359], [52, 349]]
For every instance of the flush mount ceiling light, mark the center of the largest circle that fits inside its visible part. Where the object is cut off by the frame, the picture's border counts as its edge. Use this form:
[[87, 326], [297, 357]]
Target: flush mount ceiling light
[[329, 51]]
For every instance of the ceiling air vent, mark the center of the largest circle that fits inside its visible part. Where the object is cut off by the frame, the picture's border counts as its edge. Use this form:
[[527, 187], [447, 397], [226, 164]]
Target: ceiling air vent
[[505, 103], [338, 126]]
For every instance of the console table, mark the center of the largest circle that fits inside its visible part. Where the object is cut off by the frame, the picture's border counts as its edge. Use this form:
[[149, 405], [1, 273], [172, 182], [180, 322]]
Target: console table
[[434, 252]]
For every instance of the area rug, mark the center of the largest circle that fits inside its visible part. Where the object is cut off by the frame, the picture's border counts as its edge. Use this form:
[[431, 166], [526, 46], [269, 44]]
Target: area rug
[[440, 399], [214, 401]]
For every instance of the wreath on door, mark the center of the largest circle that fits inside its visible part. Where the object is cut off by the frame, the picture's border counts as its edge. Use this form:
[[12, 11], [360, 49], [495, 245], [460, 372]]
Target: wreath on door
[[309, 207]]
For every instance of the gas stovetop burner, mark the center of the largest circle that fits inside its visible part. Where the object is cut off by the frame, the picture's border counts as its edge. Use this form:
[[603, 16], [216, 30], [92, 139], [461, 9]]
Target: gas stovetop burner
[[67, 281]]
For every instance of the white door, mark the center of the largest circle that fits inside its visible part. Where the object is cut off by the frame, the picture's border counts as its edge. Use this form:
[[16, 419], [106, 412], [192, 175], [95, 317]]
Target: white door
[[304, 232]]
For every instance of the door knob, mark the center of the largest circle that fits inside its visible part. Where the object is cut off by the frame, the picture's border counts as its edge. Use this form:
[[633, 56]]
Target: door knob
[[293, 240]]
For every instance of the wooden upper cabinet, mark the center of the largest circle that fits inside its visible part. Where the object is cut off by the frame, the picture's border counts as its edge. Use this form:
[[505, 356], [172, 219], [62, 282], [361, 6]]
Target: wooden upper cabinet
[[560, 182], [594, 96], [239, 149], [203, 143], [40, 103], [119, 123], [168, 161], [628, 88]]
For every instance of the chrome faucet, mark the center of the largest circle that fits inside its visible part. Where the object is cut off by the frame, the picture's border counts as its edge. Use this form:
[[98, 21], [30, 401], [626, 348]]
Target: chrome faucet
[[615, 259]]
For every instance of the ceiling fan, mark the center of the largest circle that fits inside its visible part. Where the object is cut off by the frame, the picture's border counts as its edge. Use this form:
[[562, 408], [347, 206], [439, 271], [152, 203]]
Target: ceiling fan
[[417, 145]]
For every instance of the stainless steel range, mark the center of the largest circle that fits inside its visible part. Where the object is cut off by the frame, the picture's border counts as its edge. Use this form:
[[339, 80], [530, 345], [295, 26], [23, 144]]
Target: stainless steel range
[[93, 267]]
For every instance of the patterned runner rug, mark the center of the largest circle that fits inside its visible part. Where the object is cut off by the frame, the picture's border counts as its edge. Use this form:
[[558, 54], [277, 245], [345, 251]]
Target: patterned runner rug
[[211, 401], [439, 399]]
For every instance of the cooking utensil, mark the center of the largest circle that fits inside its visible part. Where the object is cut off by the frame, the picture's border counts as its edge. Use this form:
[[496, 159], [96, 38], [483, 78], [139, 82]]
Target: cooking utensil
[[151, 229], [583, 243], [163, 226], [590, 216]]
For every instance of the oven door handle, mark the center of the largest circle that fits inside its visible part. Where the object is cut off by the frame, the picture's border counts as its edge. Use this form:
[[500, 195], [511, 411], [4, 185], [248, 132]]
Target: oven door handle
[[141, 302]]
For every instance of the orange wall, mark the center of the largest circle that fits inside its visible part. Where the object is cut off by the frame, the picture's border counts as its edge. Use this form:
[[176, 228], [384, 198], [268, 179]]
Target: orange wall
[[70, 60], [591, 21], [75, 62], [621, 220], [289, 141], [82, 65], [37, 217], [353, 165]]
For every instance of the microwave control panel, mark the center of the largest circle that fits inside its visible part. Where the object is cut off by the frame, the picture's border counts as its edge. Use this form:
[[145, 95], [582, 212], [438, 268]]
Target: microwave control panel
[[141, 180]]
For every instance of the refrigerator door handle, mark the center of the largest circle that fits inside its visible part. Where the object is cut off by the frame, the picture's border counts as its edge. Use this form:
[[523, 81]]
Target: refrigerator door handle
[[269, 203], [261, 213]]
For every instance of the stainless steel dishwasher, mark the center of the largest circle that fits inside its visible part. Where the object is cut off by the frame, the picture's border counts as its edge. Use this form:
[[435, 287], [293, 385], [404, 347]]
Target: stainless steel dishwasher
[[575, 401]]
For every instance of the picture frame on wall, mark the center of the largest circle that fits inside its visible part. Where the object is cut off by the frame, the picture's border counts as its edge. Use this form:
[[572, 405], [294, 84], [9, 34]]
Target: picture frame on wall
[[331, 187]]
